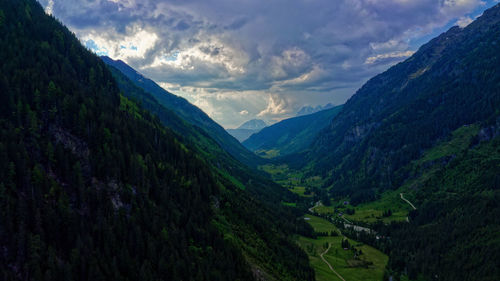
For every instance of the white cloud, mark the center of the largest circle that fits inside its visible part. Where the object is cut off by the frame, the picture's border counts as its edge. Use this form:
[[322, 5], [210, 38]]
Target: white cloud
[[276, 106], [134, 44], [50, 7], [392, 55], [464, 21], [256, 56]]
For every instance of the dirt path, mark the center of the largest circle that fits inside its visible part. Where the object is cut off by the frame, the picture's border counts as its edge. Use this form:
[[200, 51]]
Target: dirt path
[[329, 265], [404, 199], [315, 205]]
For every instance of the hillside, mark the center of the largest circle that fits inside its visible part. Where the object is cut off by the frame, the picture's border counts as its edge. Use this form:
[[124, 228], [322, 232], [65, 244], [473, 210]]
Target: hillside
[[188, 112], [450, 82], [95, 187], [291, 135]]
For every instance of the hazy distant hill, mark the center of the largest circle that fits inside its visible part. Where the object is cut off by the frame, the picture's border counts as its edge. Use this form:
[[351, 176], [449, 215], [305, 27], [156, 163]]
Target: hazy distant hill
[[290, 135], [247, 129]]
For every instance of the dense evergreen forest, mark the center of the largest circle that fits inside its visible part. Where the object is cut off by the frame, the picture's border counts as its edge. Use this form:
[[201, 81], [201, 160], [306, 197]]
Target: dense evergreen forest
[[94, 187], [261, 209]]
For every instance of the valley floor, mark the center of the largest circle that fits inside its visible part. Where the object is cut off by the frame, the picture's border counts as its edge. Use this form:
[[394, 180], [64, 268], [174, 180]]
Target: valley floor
[[333, 262]]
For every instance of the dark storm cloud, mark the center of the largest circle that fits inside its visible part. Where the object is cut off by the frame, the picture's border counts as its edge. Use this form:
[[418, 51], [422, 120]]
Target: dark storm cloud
[[224, 54]]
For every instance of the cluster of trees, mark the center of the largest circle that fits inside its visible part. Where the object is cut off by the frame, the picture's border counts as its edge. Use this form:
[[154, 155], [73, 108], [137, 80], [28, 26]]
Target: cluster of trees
[[326, 233], [92, 186], [345, 244], [387, 213]]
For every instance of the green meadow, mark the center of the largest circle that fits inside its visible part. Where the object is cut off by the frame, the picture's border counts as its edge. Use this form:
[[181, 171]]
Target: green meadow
[[370, 265]]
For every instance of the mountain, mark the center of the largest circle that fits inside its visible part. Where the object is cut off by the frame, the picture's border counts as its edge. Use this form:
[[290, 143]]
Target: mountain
[[306, 110], [94, 186], [291, 135], [188, 112], [254, 124], [247, 129], [429, 127], [402, 112]]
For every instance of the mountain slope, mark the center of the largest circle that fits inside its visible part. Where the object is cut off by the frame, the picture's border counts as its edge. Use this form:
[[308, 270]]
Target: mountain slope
[[263, 211], [456, 188], [450, 82], [94, 187], [188, 112], [247, 129], [291, 135]]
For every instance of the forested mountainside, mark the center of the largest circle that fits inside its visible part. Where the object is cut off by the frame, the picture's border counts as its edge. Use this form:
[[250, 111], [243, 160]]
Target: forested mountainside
[[94, 187], [454, 233], [259, 205], [450, 82], [290, 135], [255, 182], [188, 112], [428, 127]]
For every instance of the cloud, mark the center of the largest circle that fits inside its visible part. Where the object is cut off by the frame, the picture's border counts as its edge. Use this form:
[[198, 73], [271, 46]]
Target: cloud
[[276, 107], [464, 21], [267, 58], [49, 7], [392, 55]]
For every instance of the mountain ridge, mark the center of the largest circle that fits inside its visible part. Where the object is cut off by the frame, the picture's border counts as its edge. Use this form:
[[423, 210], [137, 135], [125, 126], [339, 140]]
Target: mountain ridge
[[245, 130], [290, 135], [188, 112]]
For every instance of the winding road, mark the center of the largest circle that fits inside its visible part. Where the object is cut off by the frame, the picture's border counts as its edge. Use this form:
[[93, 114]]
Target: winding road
[[329, 265], [315, 205], [406, 200]]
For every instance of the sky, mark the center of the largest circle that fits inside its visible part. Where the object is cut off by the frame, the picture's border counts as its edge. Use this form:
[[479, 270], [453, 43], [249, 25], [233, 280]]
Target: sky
[[243, 59]]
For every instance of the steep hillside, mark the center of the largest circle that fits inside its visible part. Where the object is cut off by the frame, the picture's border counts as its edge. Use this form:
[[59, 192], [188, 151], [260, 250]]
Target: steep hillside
[[247, 129], [450, 82], [456, 189], [188, 112], [94, 187], [291, 135]]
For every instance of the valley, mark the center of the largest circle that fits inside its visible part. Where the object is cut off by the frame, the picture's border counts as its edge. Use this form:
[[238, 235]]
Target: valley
[[106, 175], [332, 261]]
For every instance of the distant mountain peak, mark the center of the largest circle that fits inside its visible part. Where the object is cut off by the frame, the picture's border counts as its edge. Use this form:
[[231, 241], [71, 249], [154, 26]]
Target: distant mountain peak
[[254, 124], [305, 110]]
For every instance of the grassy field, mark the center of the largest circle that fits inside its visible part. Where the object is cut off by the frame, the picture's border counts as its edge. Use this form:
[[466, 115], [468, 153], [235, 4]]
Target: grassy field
[[289, 204], [372, 211], [287, 177], [320, 224], [369, 266], [272, 153], [300, 190]]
